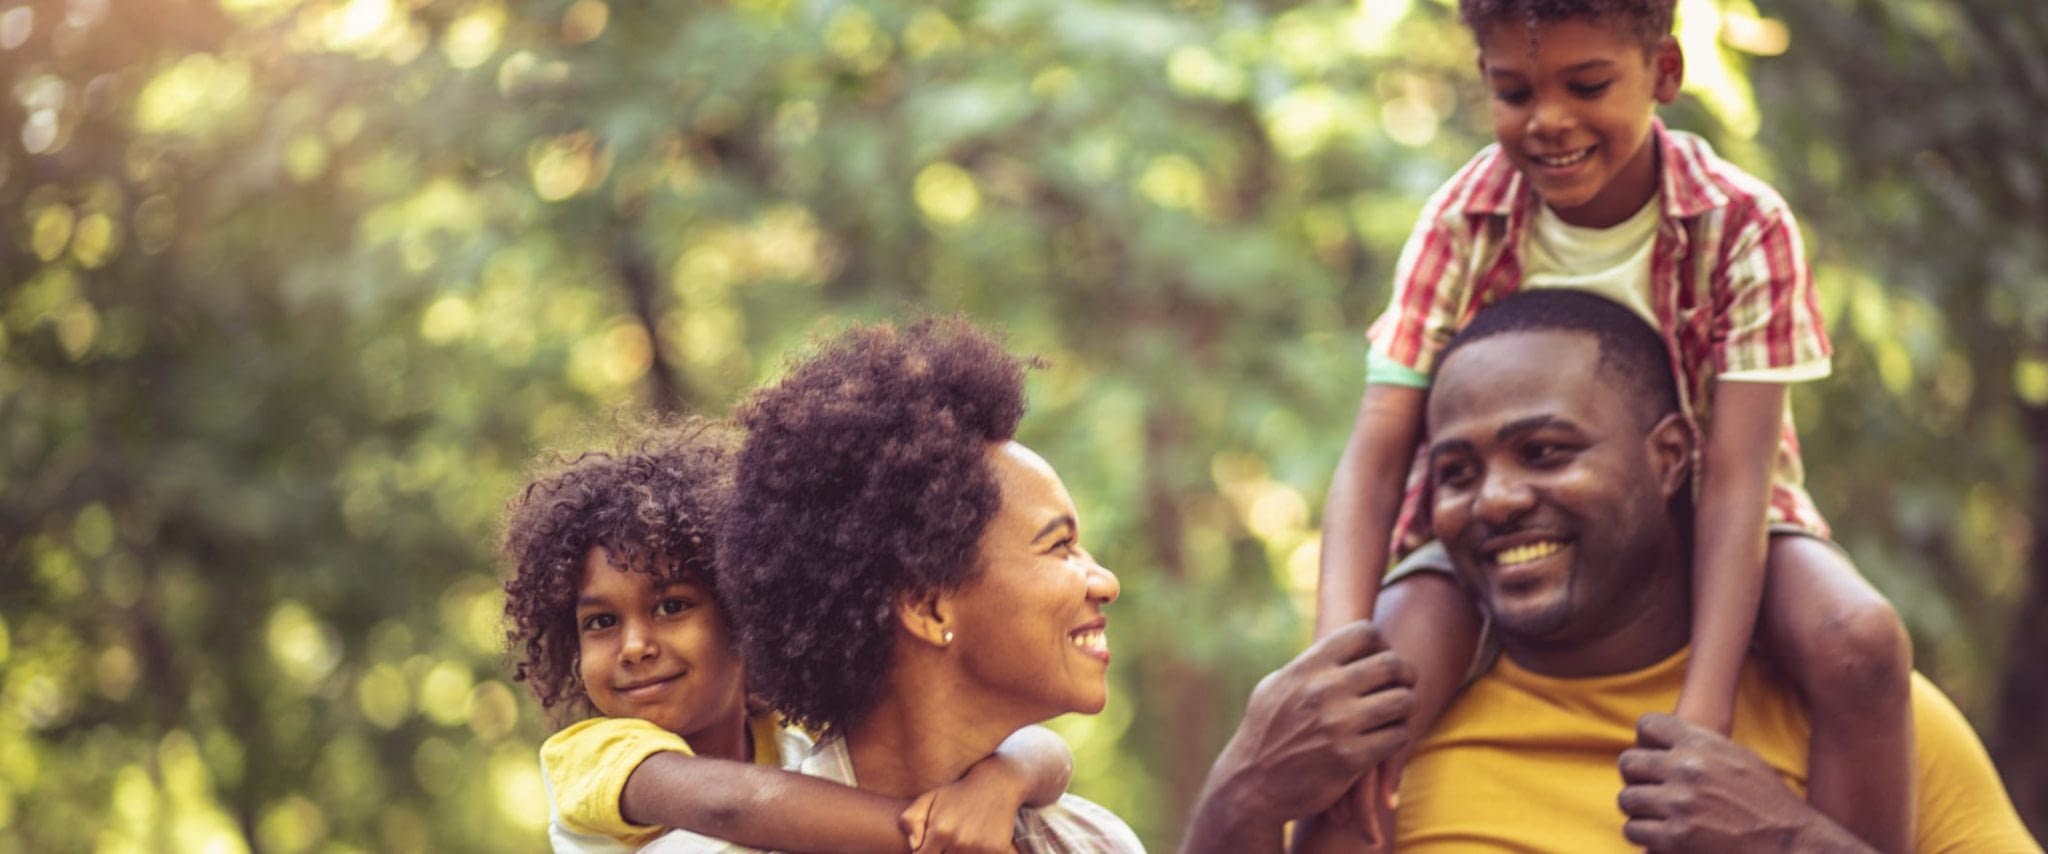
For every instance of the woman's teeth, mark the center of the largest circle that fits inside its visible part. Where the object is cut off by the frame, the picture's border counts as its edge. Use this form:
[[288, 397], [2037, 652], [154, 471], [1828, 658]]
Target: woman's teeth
[[1093, 640], [1527, 552]]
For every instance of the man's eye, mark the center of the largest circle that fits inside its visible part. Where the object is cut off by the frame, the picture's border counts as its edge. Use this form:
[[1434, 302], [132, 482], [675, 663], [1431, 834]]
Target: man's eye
[[598, 622], [1545, 453], [1591, 90], [1452, 474]]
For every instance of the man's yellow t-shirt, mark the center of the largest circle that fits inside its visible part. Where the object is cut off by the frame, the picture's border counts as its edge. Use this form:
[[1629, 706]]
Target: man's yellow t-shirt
[[1524, 762], [586, 766]]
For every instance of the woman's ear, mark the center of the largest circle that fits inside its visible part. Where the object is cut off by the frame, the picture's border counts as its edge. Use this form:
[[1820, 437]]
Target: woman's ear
[[926, 616], [1667, 62], [1670, 445]]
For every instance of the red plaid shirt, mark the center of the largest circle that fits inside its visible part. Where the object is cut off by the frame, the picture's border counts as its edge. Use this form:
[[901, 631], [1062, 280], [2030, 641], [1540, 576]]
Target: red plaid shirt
[[1728, 283]]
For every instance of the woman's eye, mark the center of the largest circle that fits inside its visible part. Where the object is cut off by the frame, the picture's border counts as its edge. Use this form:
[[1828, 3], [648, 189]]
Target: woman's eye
[[597, 622]]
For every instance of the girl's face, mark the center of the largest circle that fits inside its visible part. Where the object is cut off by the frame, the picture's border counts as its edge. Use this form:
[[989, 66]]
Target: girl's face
[[661, 652], [1029, 628]]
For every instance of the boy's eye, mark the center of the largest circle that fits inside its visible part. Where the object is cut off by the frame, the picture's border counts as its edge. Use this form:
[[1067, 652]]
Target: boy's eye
[[597, 622], [1589, 90], [1511, 96]]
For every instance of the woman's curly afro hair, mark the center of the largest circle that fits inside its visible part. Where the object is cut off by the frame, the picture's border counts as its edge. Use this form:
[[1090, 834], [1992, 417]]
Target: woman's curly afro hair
[[1648, 20], [652, 508], [864, 475]]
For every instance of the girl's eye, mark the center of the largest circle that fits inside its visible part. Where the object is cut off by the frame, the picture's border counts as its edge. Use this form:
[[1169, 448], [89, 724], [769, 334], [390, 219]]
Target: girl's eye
[[671, 607], [598, 622], [1591, 90]]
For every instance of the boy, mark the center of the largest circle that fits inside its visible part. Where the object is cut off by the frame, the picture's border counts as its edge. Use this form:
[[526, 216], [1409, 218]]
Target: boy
[[1585, 189], [614, 604]]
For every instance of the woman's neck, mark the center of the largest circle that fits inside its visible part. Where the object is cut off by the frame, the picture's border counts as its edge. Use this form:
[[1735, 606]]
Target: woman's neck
[[923, 736]]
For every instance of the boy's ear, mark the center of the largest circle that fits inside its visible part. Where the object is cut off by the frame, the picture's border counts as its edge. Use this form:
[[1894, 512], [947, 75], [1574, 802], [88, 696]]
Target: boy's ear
[[926, 616], [1667, 61], [1670, 445]]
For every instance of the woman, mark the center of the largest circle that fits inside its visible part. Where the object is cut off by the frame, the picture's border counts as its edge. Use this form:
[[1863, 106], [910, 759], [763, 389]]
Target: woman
[[908, 579]]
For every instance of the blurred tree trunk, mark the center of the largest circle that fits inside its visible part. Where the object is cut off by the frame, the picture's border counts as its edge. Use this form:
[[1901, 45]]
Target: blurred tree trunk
[[2021, 744]]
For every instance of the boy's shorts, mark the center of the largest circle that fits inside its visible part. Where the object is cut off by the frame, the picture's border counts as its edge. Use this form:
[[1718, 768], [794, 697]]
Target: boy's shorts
[[1433, 557]]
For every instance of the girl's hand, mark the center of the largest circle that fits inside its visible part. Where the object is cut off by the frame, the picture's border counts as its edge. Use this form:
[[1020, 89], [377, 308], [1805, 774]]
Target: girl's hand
[[976, 815]]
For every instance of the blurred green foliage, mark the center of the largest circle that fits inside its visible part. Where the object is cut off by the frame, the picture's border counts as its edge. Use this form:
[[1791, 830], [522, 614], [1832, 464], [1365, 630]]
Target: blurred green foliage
[[291, 291]]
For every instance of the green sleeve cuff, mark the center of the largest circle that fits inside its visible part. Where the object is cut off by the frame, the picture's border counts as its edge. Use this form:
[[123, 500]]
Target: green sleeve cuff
[[1383, 370]]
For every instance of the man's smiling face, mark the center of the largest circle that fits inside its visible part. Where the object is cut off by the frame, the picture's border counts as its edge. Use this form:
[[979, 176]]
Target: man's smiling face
[[1549, 494]]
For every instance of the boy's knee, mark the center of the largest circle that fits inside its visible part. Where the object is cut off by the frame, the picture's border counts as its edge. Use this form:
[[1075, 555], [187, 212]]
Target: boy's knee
[[1864, 653]]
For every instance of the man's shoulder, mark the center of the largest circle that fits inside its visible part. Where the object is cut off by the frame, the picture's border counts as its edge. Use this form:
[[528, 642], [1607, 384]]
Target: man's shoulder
[[1075, 824]]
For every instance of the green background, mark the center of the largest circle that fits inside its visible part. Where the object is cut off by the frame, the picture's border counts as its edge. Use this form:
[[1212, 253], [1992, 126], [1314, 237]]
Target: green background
[[292, 292]]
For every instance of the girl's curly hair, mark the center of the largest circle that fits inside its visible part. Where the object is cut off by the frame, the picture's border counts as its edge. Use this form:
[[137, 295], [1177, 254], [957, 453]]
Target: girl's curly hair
[[1648, 20], [651, 507], [863, 476]]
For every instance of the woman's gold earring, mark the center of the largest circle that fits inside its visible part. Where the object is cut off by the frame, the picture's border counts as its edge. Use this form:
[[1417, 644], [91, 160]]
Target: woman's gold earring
[[946, 638]]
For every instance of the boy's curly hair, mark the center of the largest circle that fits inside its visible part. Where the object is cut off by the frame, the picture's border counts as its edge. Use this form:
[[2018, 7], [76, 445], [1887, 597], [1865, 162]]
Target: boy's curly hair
[[864, 475], [1648, 20], [651, 506]]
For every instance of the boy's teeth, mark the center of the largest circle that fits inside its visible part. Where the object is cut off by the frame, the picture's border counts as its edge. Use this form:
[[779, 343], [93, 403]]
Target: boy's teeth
[[1565, 159], [1091, 639], [1527, 552]]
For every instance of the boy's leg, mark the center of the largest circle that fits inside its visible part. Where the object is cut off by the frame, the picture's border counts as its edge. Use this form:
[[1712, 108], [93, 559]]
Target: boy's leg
[[1844, 645]]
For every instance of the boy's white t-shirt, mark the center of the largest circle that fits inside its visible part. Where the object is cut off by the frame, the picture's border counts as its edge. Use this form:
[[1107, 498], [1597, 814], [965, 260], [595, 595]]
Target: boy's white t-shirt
[[1615, 263]]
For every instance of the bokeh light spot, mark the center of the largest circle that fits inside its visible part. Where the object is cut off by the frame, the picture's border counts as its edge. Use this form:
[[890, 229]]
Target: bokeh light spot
[[946, 194]]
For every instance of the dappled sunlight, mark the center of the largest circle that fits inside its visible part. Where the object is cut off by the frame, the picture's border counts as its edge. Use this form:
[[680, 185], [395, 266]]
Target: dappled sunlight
[[297, 290]]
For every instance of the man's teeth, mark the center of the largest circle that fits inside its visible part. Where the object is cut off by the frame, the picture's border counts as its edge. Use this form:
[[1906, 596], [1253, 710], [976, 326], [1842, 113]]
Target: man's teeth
[[1527, 552], [1564, 159], [1093, 639]]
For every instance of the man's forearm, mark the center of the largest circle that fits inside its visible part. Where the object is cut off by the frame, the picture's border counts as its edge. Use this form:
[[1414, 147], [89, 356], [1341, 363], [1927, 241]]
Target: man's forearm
[[1227, 820]]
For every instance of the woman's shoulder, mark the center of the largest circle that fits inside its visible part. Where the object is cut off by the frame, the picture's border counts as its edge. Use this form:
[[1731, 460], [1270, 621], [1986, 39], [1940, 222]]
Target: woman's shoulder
[[1076, 824]]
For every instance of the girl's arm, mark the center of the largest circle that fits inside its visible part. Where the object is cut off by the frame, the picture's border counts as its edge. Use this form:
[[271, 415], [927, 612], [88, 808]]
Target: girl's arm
[[1729, 545], [760, 807], [1365, 496], [979, 811]]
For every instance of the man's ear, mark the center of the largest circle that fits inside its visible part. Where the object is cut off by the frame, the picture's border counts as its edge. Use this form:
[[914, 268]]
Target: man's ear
[[1670, 444], [1667, 62], [926, 616]]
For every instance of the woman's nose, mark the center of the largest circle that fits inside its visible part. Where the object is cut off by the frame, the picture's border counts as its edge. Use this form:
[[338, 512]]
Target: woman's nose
[[1102, 584]]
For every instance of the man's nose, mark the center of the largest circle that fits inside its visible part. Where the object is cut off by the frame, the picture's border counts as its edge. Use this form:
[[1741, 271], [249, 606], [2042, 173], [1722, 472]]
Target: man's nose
[[1503, 498]]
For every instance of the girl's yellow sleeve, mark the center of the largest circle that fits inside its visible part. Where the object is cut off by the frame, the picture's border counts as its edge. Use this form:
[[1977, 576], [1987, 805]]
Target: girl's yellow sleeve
[[587, 766]]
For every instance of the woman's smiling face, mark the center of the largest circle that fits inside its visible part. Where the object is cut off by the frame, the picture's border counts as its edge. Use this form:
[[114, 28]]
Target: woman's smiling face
[[1029, 627]]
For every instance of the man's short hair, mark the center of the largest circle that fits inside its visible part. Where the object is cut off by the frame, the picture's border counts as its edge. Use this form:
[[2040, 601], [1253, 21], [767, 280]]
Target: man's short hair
[[1630, 350]]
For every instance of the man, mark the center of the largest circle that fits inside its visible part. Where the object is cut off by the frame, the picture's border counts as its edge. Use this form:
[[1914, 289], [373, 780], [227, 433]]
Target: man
[[1561, 474]]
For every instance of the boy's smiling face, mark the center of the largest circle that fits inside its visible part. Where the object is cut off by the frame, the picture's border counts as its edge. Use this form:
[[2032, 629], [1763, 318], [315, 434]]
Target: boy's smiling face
[[1572, 111], [661, 652]]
